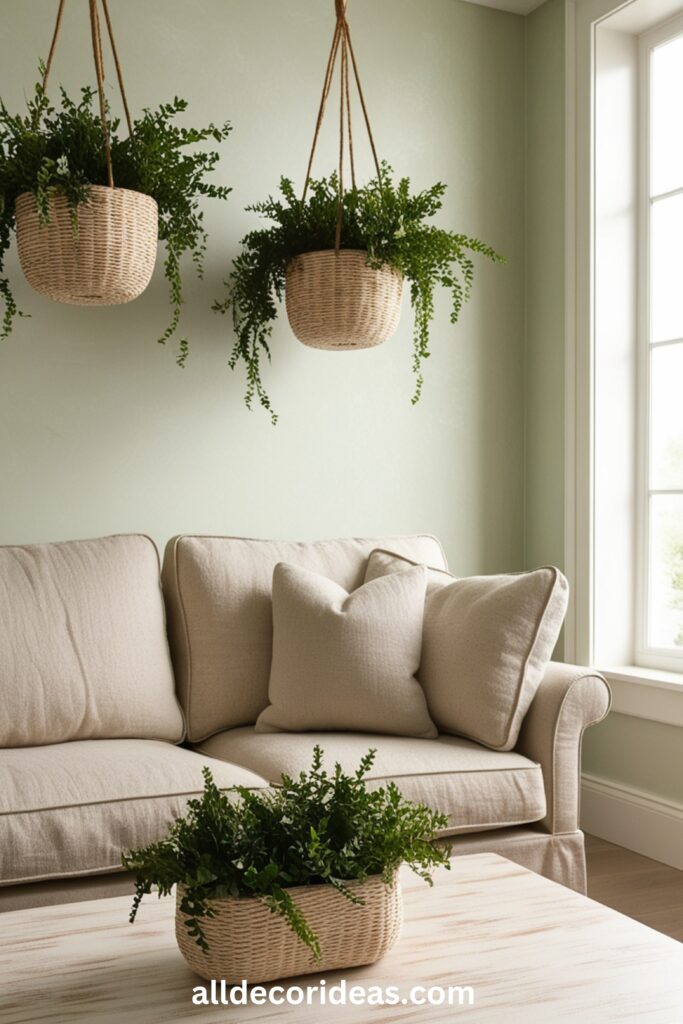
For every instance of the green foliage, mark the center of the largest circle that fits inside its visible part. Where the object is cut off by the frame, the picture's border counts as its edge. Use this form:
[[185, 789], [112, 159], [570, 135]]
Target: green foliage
[[50, 151], [315, 829], [384, 219]]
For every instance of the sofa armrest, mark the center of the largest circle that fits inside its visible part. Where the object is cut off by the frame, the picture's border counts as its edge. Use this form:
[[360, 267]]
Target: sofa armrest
[[568, 700]]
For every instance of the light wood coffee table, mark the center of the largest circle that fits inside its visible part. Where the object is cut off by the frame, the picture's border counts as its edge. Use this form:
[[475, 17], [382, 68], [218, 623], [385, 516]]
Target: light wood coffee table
[[533, 952]]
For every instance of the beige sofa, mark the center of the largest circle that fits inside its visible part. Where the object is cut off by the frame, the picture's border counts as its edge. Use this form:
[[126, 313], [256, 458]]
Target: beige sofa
[[104, 730]]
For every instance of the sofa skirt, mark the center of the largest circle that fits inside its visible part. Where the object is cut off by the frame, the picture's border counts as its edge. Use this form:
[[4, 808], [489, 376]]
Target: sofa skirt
[[562, 858]]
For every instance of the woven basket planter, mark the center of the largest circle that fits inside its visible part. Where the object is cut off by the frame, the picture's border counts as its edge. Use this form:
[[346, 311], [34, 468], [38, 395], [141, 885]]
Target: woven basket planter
[[108, 261], [247, 941], [336, 301]]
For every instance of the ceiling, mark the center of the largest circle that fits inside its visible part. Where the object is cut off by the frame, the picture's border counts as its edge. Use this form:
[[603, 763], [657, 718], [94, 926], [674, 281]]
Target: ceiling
[[636, 15], [516, 6], [640, 15]]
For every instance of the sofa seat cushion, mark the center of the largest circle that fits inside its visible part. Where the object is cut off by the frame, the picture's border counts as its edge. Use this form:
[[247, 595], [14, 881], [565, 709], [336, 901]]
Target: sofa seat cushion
[[218, 596], [71, 808], [477, 788]]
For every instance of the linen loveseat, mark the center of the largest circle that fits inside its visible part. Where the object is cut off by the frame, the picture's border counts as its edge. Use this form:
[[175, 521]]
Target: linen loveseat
[[116, 690]]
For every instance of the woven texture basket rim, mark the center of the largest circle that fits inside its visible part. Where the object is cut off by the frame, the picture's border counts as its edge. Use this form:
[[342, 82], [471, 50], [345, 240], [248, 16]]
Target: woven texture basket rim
[[293, 889], [104, 188], [341, 252]]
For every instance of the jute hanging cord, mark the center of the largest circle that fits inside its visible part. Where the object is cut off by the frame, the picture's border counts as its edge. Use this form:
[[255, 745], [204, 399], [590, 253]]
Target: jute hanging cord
[[96, 39], [341, 42]]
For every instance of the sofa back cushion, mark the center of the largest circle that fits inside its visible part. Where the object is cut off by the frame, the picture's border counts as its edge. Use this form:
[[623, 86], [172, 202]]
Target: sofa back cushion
[[218, 597], [83, 648]]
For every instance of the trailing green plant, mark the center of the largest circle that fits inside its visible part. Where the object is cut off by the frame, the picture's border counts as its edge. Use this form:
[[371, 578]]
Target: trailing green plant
[[316, 829], [385, 219], [60, 151]]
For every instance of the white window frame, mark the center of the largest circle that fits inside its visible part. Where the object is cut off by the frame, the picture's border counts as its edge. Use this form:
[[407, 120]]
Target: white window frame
[[646, 655], [648, 693]]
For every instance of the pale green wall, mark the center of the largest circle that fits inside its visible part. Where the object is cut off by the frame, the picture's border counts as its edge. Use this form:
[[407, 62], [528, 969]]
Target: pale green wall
[[631, 751], [645, 755], [100, 432], [544, 287], [635, 752]]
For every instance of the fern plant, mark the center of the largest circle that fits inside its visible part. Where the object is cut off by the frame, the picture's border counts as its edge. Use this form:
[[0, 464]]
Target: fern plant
[[316, 829], [384, 218], [59, 151]]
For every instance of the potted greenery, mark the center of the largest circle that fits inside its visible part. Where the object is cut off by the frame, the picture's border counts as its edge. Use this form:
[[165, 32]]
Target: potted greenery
[[82, 240], [318, 855], [385, 237]]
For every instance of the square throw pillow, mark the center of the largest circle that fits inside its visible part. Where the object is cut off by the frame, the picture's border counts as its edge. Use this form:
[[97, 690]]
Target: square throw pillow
[[347, 661], [485, 645]]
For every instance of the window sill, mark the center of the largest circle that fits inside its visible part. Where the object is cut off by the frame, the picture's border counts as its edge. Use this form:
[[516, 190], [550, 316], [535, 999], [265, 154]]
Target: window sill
[[646, 693]]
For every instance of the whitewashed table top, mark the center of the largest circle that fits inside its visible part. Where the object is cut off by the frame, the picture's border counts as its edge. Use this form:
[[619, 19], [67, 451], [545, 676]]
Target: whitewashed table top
[[533, 951]]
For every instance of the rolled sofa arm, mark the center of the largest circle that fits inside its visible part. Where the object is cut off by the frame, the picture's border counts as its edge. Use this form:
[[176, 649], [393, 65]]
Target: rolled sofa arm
[[568, 700]]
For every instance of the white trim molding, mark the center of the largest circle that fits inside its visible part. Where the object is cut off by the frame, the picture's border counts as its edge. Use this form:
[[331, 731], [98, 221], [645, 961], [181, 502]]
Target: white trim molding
[[512, 6], [646, 693], [646, 652], [631, 818]]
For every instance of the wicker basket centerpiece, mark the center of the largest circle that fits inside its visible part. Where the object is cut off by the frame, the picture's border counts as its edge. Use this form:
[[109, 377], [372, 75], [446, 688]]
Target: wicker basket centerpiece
[[336, 300], [294, 878], [105, 259], [248, 941]]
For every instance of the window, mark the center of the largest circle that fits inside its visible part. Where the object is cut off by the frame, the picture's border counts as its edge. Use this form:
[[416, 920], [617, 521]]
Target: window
[[659, 624], [624, 385]]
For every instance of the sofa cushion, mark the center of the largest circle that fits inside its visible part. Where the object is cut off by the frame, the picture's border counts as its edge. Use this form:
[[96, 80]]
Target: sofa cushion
[[347, 661], [72, 808], [477, 788], [486, 643], [218, 596], [83, 648]]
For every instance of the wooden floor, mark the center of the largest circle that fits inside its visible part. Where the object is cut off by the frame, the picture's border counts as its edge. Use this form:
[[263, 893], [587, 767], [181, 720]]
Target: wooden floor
[[636, 886]]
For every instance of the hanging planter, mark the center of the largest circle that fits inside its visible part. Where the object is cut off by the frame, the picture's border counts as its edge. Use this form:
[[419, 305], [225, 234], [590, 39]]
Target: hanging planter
[[336, 300], [103, 252], [89, 206], [339, 255], [106, 260]]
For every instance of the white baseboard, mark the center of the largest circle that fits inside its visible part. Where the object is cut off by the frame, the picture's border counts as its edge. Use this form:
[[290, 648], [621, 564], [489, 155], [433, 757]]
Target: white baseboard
[[632, 819]]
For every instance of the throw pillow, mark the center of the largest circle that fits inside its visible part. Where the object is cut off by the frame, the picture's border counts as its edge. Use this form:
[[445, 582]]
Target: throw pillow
[[347, 661], [486, 643]]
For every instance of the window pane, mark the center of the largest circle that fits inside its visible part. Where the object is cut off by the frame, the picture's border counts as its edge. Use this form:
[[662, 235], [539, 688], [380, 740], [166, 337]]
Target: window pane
[[665, 628], [666, 445], [666, 268], [667, 116]]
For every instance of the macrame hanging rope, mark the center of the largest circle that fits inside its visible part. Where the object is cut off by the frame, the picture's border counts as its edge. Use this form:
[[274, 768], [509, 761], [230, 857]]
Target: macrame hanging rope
[[96, 37], [99, 74], [117, 65], [341, 41], [53, 44]]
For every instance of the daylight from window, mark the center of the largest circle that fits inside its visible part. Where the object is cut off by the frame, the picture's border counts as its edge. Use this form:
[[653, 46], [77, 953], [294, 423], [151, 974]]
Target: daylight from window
[[665, 486]]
